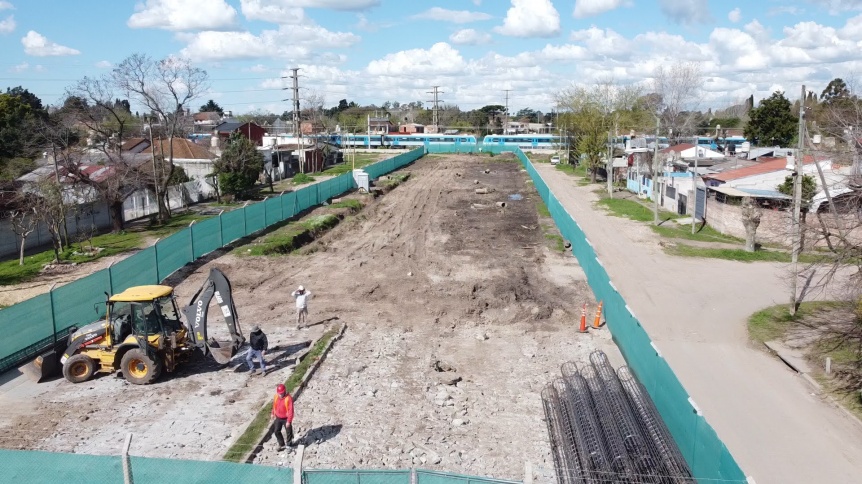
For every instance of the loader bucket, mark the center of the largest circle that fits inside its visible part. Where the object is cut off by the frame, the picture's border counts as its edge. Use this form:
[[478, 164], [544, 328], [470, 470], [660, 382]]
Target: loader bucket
[[221, 352], [45, 366]]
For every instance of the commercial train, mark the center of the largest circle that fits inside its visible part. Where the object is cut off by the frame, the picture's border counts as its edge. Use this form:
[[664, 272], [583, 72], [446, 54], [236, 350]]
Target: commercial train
[[410, 141]]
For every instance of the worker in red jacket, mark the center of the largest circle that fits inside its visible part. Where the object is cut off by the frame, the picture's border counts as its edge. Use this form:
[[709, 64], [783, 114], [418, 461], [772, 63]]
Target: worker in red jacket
[[282, 412]]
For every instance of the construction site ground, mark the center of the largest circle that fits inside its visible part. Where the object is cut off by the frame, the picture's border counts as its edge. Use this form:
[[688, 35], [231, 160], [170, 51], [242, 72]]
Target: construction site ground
[[458, 312]]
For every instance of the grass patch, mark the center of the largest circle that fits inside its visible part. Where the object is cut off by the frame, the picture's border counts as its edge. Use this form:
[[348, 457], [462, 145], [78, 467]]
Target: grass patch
[[773, 322], [556, 242], [261, 423], [362, 159], [302, 179], [627, 208], [395, 180], [580, 170], [674, 230], [292, 236], [542, 209], [351, 203], [741, 255]]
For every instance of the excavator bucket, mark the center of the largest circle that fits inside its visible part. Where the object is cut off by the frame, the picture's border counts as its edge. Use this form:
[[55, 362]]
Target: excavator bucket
[[222, 355], [197, 321], [47, 365]]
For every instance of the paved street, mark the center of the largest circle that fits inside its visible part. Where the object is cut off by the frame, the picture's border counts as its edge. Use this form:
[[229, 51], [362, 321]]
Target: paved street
[[695, 310]]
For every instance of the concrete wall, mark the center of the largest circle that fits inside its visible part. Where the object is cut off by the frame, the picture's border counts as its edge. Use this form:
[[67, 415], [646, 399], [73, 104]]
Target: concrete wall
[[88, 217], [775, 225], [143, 202]]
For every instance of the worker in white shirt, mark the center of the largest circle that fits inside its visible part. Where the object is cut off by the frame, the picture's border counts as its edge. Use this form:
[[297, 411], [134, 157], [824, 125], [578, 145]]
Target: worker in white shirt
[[302, 296]]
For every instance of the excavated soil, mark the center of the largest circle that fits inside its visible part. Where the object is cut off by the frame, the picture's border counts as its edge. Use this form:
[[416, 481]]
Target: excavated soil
[[458, 312]]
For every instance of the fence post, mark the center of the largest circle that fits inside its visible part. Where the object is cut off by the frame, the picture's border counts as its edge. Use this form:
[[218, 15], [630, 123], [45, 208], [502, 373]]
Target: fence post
[[127, 464], [156, 252], [110, 278], [220, 233], [528, 473], [244, 223], [297, 464], [53, 320], [413, 477], [192, 238]]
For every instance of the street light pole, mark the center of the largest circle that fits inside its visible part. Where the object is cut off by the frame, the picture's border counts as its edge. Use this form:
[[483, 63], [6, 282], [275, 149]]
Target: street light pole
[[797, 204], [655, 169], [694, 189]]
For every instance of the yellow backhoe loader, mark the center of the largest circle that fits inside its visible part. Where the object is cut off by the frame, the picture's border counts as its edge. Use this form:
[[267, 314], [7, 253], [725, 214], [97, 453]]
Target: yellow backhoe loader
[[143, 335]]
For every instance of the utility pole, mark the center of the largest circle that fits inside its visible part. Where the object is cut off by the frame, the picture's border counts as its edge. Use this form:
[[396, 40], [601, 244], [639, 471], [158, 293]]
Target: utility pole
[[797, 204], [694, 188], [610, 172], [506, 123], [655, 169], [435, 92]]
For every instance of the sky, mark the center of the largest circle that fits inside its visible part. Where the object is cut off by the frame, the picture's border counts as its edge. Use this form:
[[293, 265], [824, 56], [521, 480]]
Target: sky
[[520, 53]]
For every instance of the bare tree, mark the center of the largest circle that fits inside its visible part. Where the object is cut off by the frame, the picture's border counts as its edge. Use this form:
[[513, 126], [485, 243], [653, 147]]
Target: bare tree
[[165, 87], [312, 106], [101, 165], [678, 90], [49, 205], [751, 214], [24, 221]]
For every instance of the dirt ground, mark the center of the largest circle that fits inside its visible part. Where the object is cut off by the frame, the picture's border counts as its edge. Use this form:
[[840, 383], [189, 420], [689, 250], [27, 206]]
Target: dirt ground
[[457, 313]]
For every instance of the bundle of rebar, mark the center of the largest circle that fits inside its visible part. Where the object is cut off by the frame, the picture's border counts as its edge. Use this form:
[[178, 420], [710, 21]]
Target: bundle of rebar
[[605, 428]]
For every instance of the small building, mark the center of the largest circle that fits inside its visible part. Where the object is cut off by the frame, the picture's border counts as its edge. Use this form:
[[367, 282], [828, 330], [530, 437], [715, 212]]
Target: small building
[[250, 130], [380, 126], [311, 127], [411, 128], [209, 118]]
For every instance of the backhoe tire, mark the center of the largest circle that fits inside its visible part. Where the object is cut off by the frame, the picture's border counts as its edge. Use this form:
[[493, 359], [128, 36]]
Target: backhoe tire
[[139, 368], [79, 368]]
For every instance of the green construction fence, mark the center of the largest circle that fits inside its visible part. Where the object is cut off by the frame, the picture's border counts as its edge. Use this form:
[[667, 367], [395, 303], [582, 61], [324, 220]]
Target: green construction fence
[[31, 326]]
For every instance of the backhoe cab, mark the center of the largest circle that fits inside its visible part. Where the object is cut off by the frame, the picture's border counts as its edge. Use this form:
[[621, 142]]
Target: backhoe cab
[[142, 334]]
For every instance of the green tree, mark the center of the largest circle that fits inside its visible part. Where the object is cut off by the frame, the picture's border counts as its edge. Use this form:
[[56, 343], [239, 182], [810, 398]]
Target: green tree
[[238, 167], [17, 128], [809, 188], [772, 122], [211, 107], [836, 90]]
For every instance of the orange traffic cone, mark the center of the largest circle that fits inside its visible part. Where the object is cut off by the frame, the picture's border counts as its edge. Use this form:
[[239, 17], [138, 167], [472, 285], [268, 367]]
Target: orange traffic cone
[[583, 327], [597, 323]]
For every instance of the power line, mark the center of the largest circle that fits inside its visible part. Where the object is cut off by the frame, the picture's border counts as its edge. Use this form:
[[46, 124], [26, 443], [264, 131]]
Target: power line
[[435, 101]]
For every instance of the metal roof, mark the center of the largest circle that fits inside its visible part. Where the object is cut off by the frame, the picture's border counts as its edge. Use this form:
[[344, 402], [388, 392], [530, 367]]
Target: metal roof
[[751, 192]]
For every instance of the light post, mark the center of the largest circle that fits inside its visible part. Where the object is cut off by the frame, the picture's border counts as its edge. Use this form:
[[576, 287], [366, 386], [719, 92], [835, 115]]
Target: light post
[[797, 204]]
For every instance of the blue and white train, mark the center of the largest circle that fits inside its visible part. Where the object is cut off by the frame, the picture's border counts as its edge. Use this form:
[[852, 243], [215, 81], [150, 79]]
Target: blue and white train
[[523, 141], [395, 140]]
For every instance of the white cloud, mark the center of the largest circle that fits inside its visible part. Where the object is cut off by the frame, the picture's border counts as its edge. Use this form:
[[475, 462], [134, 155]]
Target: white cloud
[[790, 10], [735, 15], [37, 45], [7, 25], [298, 42], [837, 6], [469, 37], [440, 59], [686, 12], [530, 18], [275, 11], [258, 68], [103, 64], [20, 67], [605, 43], [589, 8], [333, 4], [4, 5], [455, 16], [183, 15]]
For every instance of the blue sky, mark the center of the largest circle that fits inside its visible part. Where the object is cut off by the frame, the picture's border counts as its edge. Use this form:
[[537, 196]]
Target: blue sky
[[372, 51]]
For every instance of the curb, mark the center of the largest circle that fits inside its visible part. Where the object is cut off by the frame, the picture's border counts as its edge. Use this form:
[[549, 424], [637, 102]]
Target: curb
[[250, 456]]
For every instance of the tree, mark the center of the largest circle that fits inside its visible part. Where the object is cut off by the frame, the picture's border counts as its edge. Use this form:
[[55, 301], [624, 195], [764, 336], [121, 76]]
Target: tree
[[772, 121], [164, 87], [751, 214], [36, 107], [51, 209], [211, 107], [678, 90], [809, 188], [239, 166], [836, 90], [17, 122], [24, 220], [94, 105]]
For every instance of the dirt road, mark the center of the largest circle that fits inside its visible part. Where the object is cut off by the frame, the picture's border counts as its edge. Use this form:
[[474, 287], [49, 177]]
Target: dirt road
[[458, 312], [696, 310]]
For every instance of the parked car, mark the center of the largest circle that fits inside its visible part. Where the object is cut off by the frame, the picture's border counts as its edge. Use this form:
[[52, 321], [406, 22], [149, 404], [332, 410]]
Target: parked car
[[555, 160]]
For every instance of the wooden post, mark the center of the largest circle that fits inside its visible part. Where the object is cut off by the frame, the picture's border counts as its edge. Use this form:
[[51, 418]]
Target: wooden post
[[297, 464], [828, 366], [528, 473]]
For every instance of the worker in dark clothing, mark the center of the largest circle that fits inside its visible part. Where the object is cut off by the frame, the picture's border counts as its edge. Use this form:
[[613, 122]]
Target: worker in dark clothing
[[282, 412], [257, 349]]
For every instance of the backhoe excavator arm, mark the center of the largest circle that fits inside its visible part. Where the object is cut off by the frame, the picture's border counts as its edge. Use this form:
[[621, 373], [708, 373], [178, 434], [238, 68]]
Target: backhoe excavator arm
[[196, 318]]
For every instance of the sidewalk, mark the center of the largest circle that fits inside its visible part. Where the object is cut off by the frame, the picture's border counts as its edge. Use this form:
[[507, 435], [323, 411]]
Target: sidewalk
[[695, 311]]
